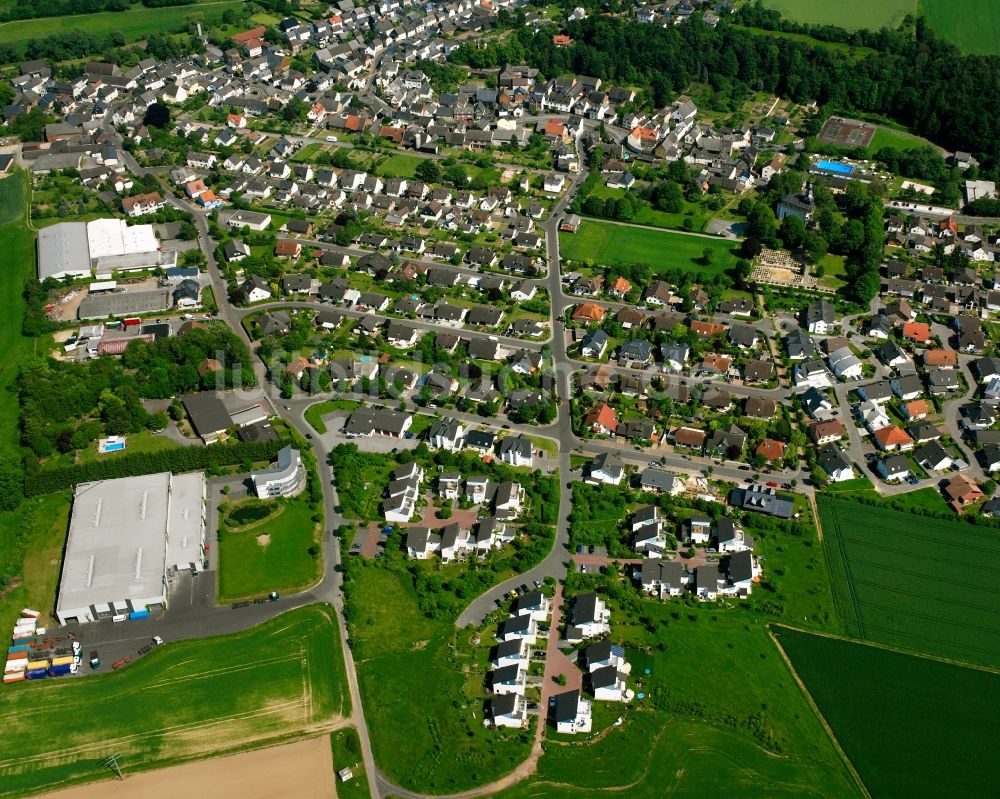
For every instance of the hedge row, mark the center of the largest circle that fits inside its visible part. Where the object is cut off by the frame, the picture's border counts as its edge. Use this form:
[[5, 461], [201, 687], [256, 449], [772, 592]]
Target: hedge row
[[186, 459]]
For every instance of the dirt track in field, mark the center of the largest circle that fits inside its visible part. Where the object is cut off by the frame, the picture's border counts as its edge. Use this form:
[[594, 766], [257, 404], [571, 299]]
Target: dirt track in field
[[304, 768]]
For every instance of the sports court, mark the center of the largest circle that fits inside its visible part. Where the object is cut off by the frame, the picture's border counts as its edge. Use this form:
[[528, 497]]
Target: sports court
[[846, 132]]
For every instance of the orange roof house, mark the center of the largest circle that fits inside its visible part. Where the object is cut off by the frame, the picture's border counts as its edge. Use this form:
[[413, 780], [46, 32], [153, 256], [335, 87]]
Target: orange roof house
[[195, 187], [917, 331], [706, 329], [602, 419], [689, 437], [915, 410], [713, 362], [561, 40], [246, 36], [772, 450], [555, 128], [962, 491], [641, 133], [588, 312], [893, 437], [827, 431], [286, 248], [941, 357], [619, 287]]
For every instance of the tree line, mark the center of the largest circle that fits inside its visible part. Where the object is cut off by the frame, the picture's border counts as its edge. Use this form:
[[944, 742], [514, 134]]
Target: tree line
[[182, 459], [912, 77]]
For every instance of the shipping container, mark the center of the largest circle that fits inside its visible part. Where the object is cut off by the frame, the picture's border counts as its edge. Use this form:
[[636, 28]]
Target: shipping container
[[131, 321], [39, 664], [138, 614], [20, 637], [28, 613], [14, 666], [63, 660], [18, 648], [36, 674], [19, 657], [22, 622], [60, 671], [17, 677]]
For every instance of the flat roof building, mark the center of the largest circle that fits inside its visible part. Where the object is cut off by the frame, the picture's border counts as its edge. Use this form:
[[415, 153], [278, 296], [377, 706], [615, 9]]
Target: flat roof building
[[105, 245], [124, 303], [127, 540], [285, 478], [63, 251]]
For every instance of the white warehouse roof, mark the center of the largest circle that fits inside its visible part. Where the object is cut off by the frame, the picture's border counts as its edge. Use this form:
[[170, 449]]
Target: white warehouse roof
[[115, 237], [124, 534]]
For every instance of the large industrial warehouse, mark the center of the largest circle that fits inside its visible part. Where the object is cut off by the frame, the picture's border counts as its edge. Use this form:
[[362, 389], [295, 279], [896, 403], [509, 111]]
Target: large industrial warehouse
[[104, 246], [127, 539]]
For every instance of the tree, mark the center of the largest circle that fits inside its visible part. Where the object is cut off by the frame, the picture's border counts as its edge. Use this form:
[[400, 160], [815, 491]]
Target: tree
[[866, 286], [428, 171], [707, 254], [157, 116], [761, 224], [295, 110], [793, 232]]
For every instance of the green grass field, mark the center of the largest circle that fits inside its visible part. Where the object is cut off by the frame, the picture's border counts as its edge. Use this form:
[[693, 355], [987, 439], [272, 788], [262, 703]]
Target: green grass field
[[422, 684], [647, 758], [912, 581], [34, 553], [850, 14], [972, 25], [607, 243], [886, 137], [346, 750], [271, 555], [315, 413], [134, 24], [914, 728], [180, 702], [17, 242]]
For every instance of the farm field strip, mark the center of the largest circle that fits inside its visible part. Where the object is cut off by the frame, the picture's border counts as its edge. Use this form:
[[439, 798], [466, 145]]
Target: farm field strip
[[185, 700], [972, 25], [892, 585], [850, 14], [894, 742]]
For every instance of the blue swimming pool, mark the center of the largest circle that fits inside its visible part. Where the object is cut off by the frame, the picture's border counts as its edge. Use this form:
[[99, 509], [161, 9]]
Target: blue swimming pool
[[114, 447], [834, 166]]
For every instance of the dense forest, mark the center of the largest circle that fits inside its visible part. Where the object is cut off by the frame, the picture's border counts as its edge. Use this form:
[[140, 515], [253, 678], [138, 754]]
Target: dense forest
[[915, 78]]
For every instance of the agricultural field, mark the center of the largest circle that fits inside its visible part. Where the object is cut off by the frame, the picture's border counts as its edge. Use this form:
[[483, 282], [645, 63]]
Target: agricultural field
[[134, 24], [972, 25], [180, 702], [422, 684], [608, 243], [895, 580], [258, 555], [943, 744], [850, 14]]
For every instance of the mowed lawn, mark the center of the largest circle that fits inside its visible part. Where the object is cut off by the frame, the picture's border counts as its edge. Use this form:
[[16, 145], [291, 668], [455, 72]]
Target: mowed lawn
[[972, 25], [272, 555], [607, 243], [850, 14], [180, 702], [914, 728], [649, 758], [134, 24], [896, 578], [422, 684]]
